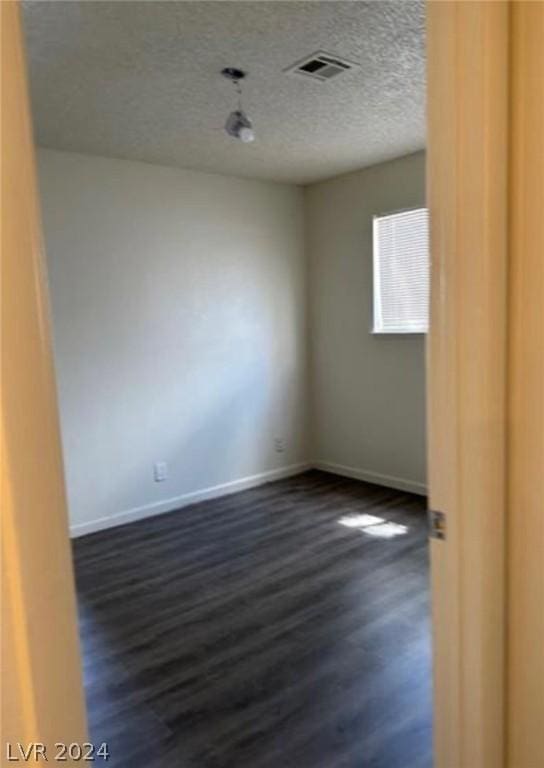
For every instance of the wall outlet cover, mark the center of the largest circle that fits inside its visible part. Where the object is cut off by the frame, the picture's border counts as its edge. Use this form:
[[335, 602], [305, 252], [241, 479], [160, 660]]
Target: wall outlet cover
[[160, 471]]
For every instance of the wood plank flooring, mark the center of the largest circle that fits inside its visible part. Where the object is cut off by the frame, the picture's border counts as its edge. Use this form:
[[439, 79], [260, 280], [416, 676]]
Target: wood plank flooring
[[259, 631]]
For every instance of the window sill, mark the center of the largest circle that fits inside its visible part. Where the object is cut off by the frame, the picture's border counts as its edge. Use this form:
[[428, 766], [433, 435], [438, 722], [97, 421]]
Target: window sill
[[398, 333]]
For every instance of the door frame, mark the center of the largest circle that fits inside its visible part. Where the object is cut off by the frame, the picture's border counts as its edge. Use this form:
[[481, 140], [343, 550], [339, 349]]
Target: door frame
[[468, 72], [525, 597], [469, 409], [42, 695]]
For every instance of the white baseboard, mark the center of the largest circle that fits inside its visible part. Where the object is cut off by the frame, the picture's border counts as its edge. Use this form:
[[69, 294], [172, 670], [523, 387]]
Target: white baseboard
[[168, 505], [177, 502], [400, 483]]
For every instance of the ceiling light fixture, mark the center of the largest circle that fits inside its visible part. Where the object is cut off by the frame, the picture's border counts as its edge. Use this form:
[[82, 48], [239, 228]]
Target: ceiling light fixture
[[238, 123]]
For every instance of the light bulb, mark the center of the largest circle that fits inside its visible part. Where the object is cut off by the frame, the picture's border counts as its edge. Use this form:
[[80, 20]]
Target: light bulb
[[246, 135]]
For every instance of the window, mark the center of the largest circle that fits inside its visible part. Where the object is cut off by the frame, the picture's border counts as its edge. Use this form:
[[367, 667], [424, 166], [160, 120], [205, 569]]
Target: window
[[401, 272]]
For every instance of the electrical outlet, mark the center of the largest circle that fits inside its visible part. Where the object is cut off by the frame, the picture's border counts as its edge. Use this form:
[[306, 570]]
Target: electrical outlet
[[160, 471], [279, 444]]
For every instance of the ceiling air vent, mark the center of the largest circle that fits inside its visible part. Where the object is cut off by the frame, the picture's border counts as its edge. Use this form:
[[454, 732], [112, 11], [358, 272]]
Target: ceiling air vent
[[321, 66]]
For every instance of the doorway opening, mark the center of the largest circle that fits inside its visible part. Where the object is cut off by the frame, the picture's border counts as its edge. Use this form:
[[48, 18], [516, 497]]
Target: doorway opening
[[239, 330]]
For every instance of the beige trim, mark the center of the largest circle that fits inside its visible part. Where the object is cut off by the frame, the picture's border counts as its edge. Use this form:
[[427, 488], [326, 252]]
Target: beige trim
[[467, 193], [42, 696], [526, 392]]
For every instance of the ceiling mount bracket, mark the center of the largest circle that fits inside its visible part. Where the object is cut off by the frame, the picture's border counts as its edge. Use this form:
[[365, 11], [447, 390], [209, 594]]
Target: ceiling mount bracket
[[234, 74]]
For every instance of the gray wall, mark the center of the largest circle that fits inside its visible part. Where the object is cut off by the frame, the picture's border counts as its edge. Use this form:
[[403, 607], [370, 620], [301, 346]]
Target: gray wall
[[367, 391], [179, 311]]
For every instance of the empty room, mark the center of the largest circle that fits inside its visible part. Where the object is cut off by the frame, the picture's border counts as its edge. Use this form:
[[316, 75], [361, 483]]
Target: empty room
[[234, 215]]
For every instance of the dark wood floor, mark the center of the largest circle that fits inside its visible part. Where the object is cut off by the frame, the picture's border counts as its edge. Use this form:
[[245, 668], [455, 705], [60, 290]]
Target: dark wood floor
[[258, 631]]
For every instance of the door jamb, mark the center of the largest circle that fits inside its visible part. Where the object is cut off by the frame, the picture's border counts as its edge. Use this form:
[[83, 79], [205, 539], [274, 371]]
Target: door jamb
[[466, 381]]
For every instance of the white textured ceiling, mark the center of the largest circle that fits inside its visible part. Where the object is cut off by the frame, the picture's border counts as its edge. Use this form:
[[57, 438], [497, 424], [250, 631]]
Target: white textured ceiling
[[140, 80]]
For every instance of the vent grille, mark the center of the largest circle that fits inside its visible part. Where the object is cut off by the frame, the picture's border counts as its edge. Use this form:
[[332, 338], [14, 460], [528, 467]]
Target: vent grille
[[321, 66]]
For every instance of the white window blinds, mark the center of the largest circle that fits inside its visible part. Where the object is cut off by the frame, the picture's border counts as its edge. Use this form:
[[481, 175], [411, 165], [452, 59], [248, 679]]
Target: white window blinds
[[401, 272]]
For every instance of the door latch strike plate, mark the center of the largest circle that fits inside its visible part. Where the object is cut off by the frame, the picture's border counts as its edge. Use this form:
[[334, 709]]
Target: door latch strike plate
[[437, 524]]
